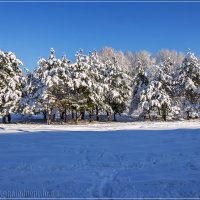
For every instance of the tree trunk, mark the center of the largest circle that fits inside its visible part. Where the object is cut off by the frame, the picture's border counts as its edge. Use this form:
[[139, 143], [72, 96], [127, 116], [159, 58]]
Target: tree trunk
[[54, 117], [164, 116], [115, 117], [188, 115], [78, 117], [83, 115], [65, 115], [49, 117], [9, 118], [109, 116], [4, 119], [164, 113], [159, 111], [90, 117], [45, 115], [149, 115], [62, 115], [72, 114], [97, 113]]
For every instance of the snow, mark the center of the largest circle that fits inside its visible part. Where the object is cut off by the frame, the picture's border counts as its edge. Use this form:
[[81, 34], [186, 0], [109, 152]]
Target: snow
[[102, 160]]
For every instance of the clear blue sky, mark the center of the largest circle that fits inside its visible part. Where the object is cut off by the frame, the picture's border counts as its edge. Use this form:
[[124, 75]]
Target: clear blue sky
[[31, 29]]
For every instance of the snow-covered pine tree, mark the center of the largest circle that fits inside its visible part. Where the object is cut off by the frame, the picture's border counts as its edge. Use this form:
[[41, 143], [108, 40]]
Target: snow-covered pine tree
[[156, 98], [140, 82], [65, 88], [10, 84], [48, 83], [27, 106], [117, 90], [189, 85], [153, 99], [167, 78], [97, 79], [82, 101]]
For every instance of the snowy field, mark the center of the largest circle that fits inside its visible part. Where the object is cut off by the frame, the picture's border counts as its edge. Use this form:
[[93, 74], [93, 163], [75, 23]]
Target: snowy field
[[106, 160]]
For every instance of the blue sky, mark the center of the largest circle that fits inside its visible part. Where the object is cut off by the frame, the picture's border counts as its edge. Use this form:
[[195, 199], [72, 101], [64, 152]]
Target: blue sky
[[31, 29]]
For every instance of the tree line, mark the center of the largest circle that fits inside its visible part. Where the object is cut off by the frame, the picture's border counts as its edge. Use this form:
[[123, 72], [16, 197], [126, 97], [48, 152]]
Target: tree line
[[165, 85]]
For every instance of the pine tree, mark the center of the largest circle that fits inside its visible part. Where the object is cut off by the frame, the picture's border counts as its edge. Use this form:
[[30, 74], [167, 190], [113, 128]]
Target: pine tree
[[27, 101], [189, 87], [140, 82], [97, 79], [48, 83], [156, 98], [168, 80], [116, 88], [64, 89], [81, 86], [10, 84]]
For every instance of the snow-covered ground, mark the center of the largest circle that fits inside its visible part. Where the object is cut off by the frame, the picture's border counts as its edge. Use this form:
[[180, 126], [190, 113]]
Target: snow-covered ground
[[105, 160]]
